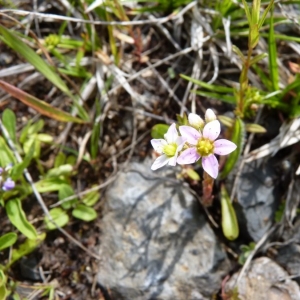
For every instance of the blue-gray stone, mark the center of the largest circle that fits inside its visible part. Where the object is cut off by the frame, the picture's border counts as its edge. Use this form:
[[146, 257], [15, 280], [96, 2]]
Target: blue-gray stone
[[155, 242]]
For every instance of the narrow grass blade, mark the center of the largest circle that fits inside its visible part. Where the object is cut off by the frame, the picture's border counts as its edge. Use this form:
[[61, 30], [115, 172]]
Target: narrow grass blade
[[40, 106], [247, 11], [222, 97], [263, 18], [96, 131], [257, 58], [273, 55], [25, 51], [210, 87], [255, 11]]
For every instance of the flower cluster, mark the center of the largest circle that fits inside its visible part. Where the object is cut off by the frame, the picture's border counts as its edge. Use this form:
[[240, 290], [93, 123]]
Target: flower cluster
[[197, 141], [6, 183]]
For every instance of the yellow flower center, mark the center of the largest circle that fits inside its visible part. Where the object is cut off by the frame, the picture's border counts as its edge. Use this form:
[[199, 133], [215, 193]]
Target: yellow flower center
[[170, 149], [205, 147]]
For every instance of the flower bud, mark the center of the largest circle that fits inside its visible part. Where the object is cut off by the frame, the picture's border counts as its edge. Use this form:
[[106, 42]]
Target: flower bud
[[210, 116], [195, 121]]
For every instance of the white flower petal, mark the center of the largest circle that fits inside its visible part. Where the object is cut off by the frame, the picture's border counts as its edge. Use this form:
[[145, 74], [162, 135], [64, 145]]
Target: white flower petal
[[188, 156], [195, 121], [224, 147], [160, 162], [158, 145], [210, 115], [172, 160], [212, 130], [180, 143], [190, 134], [210, 165], [172, 134]]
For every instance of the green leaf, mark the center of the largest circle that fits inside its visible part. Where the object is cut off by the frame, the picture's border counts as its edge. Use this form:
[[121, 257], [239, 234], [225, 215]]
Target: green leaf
[[60, 159], [3, 290], [227, 121], [239, 53], [58, 215], [265, 79], [45, 138], [221, 97], [255, 128], [91, 198], [50, 184], [266, 10], [255, 11], [36, 127], [25, 51], [27, 247], [159, 130], [273, 55], [182, 120], [238, 138], [192, 174], [254, 36], [7, 240], [40, 106], [25, 132], [247, 11], [230, 225], [63, 170], [18, 169], [84, 213], [6, 156], [18, 218], [257, 58], [96, 131], [9, 122], [32, 143], [64, 192], [210, 87]]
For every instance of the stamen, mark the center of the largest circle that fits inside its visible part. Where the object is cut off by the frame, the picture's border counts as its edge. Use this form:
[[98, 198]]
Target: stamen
[[205, 147], [170, 150]]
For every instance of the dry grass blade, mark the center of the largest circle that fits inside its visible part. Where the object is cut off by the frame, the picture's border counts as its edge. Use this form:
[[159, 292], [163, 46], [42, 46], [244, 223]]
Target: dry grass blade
[[38, 105], [289, 135]]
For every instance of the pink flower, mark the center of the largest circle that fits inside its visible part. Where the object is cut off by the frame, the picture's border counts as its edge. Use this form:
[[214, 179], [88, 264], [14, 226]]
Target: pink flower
[[205, 145], [168, 148]]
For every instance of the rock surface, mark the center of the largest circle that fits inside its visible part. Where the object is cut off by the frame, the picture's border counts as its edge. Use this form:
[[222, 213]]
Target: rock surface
[[288, 255], [258, 198], [264, 280], [155, 242]]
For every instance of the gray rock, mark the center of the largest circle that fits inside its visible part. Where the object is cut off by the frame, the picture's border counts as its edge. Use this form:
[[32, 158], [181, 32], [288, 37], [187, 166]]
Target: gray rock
[[155, 243], [258, 198], [264, 280], [288, 255]]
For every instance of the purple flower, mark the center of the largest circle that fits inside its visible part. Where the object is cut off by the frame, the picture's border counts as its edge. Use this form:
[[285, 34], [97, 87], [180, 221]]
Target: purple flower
[[168, 148], [8, 184], [205, 145]]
